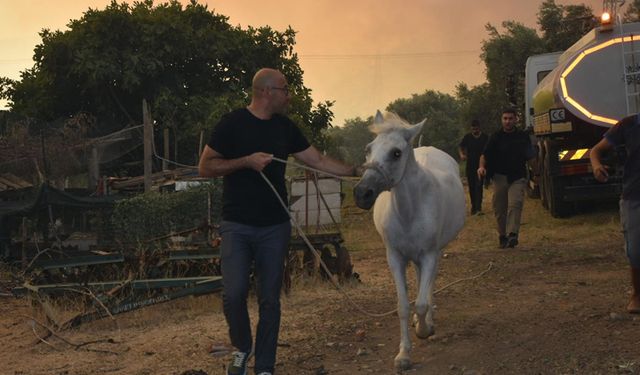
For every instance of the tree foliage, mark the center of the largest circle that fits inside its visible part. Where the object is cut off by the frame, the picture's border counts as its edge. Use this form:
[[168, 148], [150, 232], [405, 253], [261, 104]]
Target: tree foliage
[[348, 142], [505, 56], [442, 128], [632, 14], [505, 53], [563, 25], [187, 61], [479, 103]]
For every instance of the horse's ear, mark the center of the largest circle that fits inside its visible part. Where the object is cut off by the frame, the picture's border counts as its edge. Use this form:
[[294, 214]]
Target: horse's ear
[[378, 119], [414, 130]]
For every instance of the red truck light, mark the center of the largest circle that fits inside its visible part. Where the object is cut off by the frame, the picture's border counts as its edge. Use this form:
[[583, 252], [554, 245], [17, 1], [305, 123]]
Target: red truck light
[[606, 23], [573, 169]]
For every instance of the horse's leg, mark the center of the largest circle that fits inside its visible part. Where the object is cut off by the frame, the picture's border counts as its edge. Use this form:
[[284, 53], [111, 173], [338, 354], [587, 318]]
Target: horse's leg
[[424, 304], [398, 265], [417, 268]]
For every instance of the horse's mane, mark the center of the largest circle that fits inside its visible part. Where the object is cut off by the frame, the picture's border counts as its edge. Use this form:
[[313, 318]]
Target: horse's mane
[[391, 122]]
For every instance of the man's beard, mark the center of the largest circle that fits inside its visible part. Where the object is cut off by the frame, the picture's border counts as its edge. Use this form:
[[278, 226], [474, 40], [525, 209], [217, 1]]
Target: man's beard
[[283, 109]]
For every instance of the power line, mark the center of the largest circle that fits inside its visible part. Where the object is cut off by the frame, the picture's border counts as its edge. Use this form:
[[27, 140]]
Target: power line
[[7, 61], [410, 55]]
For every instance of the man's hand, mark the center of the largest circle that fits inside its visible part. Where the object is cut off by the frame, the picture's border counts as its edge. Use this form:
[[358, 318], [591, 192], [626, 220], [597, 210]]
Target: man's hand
[[482, 172], [257, 161], [599, 170], [535, 178], [600, 173]]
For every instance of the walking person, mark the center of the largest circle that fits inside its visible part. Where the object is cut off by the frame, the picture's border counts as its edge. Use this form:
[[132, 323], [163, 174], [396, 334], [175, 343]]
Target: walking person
[[255, 227], [504, 161], [626, 132], [470, 149]]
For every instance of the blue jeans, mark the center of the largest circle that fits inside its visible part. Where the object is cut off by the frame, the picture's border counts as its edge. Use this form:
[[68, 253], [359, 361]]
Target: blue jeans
[[267, 248], [630, 220]]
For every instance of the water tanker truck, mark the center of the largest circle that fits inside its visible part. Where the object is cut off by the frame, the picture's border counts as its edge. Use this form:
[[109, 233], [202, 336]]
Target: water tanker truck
[[571, 99]]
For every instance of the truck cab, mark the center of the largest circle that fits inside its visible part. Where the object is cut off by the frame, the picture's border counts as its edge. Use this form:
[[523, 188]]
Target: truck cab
[[537, 68]]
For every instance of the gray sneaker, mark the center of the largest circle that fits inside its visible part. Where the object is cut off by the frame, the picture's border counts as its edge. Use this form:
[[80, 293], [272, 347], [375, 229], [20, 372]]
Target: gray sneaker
[[266, 373], [238, 365]]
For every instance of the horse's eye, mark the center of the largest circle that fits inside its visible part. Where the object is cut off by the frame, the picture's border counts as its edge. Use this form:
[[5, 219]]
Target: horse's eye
[[397, 153]]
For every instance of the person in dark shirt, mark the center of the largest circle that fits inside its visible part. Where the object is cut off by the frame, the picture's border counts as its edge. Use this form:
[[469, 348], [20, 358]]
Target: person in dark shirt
[[470, 149], [255, 227], [504, 161], [626, 132]]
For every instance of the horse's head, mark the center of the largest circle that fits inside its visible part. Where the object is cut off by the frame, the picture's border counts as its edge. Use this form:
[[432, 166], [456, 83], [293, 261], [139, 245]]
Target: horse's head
[[386, 158]]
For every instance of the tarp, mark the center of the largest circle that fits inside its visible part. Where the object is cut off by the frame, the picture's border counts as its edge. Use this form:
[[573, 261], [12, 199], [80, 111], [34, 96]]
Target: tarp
[[47, 195]]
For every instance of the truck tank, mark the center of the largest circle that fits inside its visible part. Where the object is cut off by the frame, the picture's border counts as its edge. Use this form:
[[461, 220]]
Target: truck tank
[[595, 84]]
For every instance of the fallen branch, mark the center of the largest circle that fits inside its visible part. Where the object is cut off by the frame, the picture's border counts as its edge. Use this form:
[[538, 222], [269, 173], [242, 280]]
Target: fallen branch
[[75, 346], [40, 252], [117, 288], [202, 227], [40, 339], [465, 279], [46, 306], [74, 321]]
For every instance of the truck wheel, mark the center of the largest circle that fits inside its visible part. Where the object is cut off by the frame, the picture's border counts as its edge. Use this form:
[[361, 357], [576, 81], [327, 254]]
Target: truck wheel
[[533, 189], [557, 207], [344, 266], [542, 179], [548, 188]]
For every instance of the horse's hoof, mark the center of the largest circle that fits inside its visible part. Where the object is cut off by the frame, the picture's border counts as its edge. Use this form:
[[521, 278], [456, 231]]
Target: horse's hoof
[[423, 332], [402, 363]]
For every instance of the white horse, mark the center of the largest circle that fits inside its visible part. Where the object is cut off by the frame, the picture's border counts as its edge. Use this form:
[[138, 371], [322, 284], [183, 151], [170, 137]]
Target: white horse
[[419, 209]]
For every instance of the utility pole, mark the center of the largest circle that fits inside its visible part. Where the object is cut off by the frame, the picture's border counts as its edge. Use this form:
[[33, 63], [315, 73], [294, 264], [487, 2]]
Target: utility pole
[[45, 166], [148, 146], [165, 137], [94, 168], [612, 7]]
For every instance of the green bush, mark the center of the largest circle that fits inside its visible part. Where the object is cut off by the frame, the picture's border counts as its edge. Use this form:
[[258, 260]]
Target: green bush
[[155, 214]]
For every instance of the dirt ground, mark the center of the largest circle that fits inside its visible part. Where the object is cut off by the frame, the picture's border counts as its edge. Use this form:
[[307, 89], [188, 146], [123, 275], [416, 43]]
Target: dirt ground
[[553, 305]]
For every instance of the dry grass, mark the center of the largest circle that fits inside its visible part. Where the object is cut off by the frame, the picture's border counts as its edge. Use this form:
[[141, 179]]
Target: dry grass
[[539, 229], [559, 287]]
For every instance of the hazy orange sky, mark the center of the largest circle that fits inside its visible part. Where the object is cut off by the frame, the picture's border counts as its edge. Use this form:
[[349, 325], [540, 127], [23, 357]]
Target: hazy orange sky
[[362, 54]]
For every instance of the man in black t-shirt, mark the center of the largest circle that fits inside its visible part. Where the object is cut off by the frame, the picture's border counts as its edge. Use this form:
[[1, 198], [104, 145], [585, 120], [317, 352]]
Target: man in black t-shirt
[[470, 149], [255, 227], [504, 160], [626, 132]]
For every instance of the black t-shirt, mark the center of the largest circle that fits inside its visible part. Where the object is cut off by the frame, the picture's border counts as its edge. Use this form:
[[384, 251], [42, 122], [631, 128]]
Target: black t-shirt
[[627, 132], [473, 147], [507, 154], [247, 198]]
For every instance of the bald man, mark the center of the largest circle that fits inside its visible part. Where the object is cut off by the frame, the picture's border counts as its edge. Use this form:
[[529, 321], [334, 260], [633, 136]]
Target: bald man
[[255, 227]]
